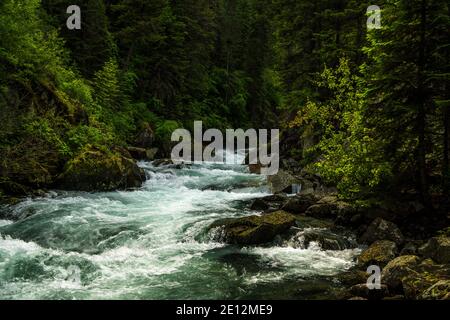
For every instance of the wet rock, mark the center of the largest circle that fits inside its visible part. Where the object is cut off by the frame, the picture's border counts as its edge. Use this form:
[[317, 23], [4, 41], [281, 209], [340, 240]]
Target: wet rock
[[438, 249], [361, 290], [151, 154], [97, 170], [137, 153], [269, 203], [379, 254], [259, 205], [143, 154], [352, 277], [326, 239], [411, 248], [321, 211], [381, 229], [423, 277], [397, 269], [255, 230], [282, 181], [162, 162], [299, 204], [255, 168]]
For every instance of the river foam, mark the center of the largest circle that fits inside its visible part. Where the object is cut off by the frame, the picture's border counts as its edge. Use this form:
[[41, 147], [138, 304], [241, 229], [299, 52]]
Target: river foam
[[144, 243]]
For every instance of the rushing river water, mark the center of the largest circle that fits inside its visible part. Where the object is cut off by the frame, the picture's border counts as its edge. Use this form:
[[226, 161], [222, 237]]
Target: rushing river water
[[152, 243]]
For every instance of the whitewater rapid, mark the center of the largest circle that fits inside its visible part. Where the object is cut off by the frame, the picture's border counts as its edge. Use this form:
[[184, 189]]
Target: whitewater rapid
[[151, 243]]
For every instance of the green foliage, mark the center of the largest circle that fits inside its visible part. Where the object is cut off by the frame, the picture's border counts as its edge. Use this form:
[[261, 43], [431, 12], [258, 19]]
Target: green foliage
[[349, 155], [44, 128], [81, 136], [165, 129]]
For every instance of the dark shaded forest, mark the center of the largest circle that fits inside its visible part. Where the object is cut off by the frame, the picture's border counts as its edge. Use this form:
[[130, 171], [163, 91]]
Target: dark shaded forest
[[367, 110]]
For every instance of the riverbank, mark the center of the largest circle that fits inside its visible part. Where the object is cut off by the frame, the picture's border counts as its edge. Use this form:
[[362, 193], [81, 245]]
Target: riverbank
[[408, 243]]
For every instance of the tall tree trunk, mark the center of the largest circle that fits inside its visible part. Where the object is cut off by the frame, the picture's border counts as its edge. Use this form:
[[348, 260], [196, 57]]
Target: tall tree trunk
[[421, 112], [445, 166]]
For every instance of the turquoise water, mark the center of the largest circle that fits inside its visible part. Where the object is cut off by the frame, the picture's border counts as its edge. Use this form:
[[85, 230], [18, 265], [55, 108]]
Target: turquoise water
[[152, 243]]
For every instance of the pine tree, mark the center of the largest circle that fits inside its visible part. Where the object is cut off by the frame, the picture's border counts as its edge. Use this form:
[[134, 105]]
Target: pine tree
[[401, 86]]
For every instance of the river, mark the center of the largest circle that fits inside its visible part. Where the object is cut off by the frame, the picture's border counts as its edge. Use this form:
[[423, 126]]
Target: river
[[152, 243]]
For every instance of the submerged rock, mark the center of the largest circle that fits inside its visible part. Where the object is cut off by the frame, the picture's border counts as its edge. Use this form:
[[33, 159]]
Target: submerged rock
[[269, 203], [97, 170], [255, 230], [379, 253], [381, 229], [326, 239]]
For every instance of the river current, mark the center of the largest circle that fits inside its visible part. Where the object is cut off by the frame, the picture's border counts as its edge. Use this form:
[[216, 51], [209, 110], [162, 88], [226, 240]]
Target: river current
[[152, 243]]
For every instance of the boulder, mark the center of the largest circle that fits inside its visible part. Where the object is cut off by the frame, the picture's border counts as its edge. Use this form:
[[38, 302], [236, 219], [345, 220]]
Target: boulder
[[326, 239], [411, 248], [94, 169], [361, 290], [438, 249], [282, 181], [259, 205], [299, 204], [255, 168], [424, 276], [137, 153], [438, 291], [254, 230], [381, 229], [145, 138], [162, 162], [352, 277], [321, 211], [397, 269], [379, 254], [269, 203]]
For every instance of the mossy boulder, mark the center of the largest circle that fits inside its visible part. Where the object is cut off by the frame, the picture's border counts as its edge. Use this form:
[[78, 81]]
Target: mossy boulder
[[439, 291], [379, 254], [94, 169], [397, 269], [254, 230], [419, 278], [438, 249], [381, 229]]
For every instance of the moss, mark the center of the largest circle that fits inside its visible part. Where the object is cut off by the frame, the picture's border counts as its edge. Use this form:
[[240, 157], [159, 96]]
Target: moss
[[256, 229], [94, 169], [445, 232], [379, 253]]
